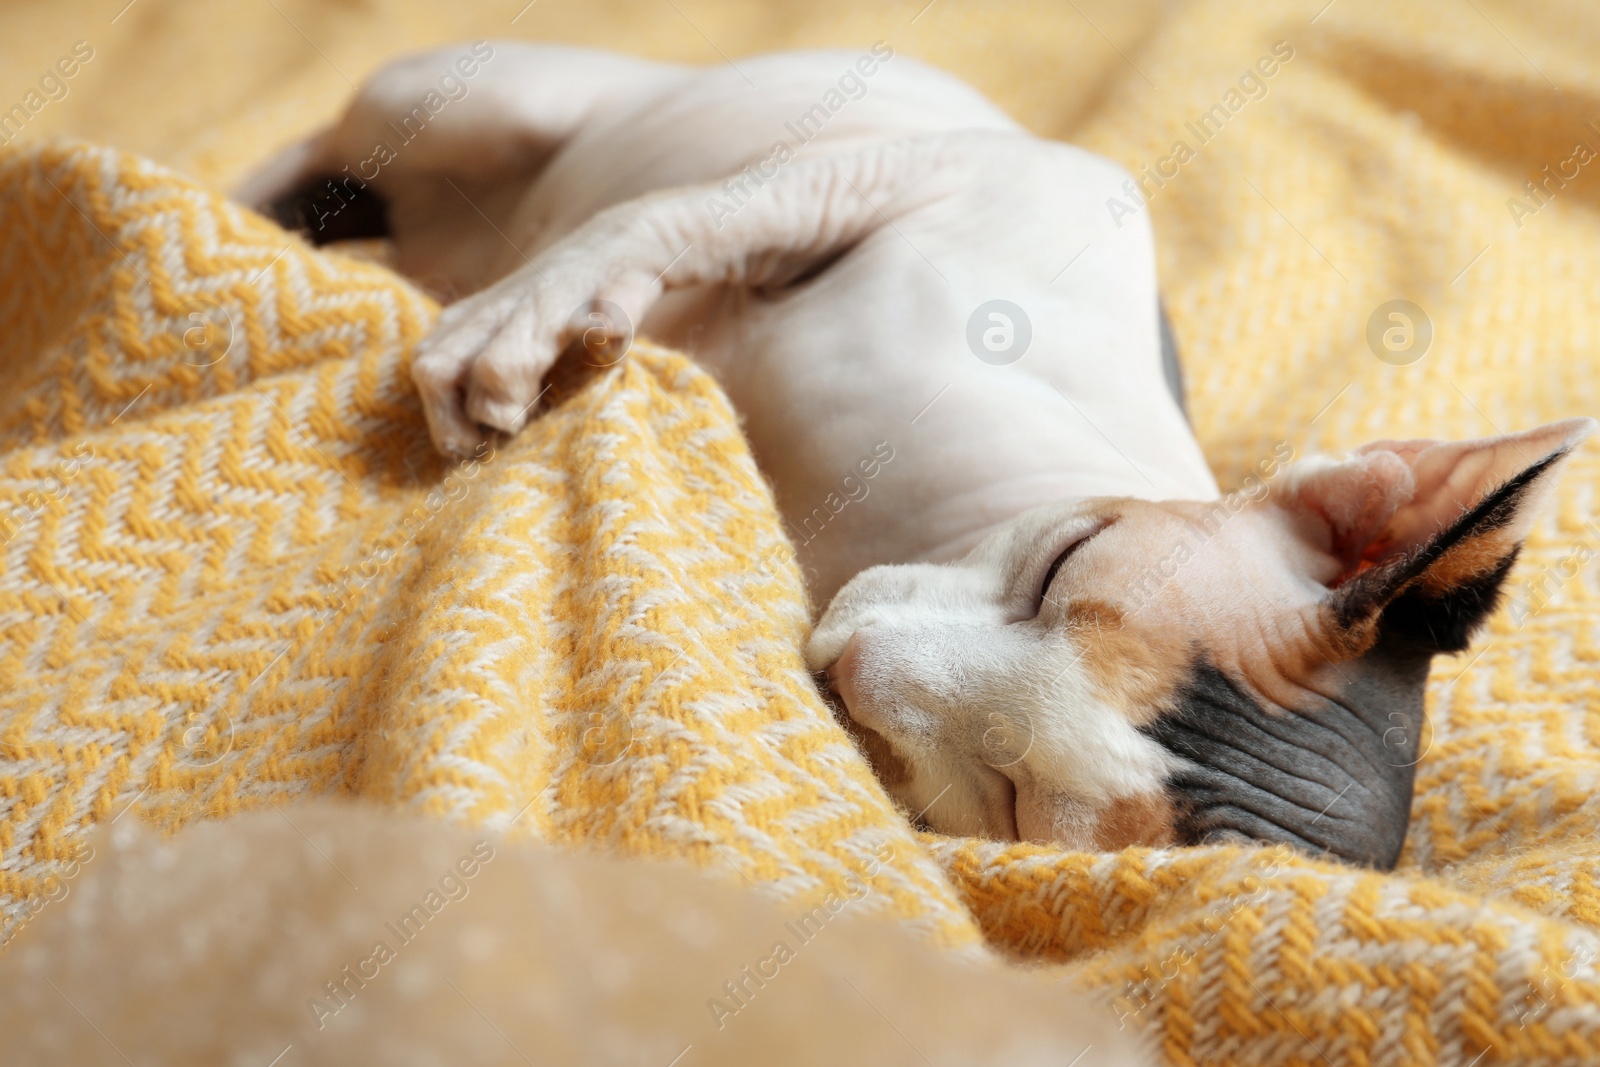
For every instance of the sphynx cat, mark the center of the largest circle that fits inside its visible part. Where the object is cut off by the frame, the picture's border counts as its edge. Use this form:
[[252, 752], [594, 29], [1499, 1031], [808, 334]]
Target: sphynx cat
[[1043, 620]]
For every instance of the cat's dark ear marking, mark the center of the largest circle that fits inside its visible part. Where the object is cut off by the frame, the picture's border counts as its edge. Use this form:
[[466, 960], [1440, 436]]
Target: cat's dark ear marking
[[1441, 593]]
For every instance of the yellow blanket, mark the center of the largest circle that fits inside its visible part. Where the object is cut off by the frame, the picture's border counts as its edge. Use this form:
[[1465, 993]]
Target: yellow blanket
[[232, 573]]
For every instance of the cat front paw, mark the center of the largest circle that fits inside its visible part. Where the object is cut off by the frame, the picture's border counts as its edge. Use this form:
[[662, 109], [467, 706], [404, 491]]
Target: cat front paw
[[481, 368]]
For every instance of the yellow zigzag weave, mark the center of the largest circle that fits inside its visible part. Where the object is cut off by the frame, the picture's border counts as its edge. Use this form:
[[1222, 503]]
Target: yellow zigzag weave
[[234, 573]]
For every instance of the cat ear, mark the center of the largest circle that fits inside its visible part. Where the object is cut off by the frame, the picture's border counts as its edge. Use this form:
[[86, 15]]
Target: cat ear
[[1426, 531]]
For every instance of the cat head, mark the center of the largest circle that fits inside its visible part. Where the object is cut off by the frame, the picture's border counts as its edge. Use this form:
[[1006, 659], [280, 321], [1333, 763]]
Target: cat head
[[1108, 672]]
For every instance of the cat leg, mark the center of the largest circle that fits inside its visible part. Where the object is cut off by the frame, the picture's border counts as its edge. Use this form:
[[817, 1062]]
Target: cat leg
[[514, 110], [483, 364]]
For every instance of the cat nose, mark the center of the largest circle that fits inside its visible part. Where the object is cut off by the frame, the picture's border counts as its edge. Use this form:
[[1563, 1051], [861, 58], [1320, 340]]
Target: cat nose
[[841, 676]]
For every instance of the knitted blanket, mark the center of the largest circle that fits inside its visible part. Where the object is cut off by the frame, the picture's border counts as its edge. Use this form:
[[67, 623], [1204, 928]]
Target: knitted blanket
[[233, 573]]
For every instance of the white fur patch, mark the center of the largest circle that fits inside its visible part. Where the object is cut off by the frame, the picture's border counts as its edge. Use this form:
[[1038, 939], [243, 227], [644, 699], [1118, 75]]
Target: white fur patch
[[997, 717]]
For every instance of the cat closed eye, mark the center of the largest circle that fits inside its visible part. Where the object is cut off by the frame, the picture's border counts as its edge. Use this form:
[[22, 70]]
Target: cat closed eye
[[1066, 554]]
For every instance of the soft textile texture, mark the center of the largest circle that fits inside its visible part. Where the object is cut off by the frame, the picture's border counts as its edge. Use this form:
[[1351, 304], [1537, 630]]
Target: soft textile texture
[[165, 627]]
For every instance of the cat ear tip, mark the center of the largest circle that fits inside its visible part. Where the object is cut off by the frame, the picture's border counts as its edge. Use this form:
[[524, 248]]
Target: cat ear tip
[[1579, 429], [1558, 439], [1562, 438]]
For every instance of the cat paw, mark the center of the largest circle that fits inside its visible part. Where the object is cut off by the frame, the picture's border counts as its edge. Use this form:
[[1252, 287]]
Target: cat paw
[[481, 368]]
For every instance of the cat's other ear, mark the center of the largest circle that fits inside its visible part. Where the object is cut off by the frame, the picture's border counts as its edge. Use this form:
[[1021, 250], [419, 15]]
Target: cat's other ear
[[1424, 532]]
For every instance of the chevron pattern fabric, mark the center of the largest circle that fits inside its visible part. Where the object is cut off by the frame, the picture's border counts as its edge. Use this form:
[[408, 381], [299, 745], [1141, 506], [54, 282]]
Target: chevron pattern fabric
[[234, 574]]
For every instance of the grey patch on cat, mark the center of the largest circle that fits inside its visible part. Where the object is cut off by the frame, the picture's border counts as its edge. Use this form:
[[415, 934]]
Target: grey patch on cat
[[1333, 779], [1169, 359], [316, 208]]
